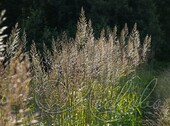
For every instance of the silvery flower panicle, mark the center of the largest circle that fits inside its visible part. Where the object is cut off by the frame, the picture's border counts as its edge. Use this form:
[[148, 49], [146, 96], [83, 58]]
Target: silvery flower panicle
[[2, 46]]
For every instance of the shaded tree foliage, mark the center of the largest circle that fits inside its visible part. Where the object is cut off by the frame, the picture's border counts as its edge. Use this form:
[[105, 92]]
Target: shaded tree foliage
[[43, 19], [163, 10]]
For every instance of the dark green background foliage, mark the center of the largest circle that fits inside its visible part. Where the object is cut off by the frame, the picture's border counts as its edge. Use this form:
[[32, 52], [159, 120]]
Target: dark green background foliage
[[43, 19]]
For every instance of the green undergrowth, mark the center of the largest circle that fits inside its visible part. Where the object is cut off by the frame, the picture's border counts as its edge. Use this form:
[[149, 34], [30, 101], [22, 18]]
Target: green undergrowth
[[121, 102]]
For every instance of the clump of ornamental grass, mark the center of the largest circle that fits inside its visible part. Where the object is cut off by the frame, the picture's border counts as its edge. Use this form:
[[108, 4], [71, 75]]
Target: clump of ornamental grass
[[162, 92], [15, 90], [14, 80], [159, 111], [89, 81], [165, 113]]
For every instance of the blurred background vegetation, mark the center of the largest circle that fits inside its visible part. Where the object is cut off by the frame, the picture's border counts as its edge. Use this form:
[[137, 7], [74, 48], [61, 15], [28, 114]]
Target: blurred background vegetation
[[42, 19]]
